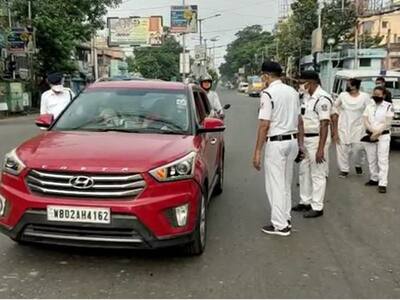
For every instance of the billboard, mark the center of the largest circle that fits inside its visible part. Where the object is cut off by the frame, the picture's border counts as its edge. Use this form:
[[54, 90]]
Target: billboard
[[184, 19], [135, 31], [18, 40]]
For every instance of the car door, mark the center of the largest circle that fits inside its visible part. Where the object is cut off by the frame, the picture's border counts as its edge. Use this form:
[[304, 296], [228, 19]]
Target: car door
[[208, 142]]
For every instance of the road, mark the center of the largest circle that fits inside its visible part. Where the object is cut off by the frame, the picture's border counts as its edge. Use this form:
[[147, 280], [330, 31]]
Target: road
[[351, 252]]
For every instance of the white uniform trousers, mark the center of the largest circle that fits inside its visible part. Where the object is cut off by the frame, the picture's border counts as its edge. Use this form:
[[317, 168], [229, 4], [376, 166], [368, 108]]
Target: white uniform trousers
[[278, 164], [312, 175], [378, 159], [350, 152]]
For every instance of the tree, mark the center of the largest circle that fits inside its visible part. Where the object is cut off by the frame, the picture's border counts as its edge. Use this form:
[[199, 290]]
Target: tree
[[61, 26], [157, 62], [246, 51]]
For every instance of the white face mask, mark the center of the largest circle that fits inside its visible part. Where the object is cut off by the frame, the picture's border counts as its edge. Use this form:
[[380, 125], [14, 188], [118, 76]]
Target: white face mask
[[58, 88]]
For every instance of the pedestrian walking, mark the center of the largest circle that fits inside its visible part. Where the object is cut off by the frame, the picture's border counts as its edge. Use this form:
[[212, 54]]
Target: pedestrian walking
[[280, 130], [378, 118], [206, 84], [313, 167], [57, 97], [380, 81], [350, 107]]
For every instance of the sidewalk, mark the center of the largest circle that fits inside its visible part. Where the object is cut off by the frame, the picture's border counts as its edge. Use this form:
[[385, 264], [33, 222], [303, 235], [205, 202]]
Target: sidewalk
[[13, 116]]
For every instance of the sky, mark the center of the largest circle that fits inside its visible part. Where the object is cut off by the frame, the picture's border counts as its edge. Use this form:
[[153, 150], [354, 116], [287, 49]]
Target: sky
[[235, 15]]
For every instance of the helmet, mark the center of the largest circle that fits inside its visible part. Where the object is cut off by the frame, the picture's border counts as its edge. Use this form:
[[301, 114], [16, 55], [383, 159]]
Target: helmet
[[206, 78]]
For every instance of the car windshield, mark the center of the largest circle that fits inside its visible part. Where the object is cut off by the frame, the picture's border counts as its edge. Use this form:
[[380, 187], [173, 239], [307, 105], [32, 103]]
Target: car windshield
[[392, 84], [127, 111]]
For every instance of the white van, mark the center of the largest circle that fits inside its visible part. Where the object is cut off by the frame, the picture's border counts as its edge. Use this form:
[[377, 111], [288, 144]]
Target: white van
[[368, 78]]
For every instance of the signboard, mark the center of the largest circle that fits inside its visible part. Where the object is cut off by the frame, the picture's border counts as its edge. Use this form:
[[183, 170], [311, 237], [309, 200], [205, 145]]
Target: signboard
[[18, 40], [184, 67], [3, 106], [200, 52], [316, 41], [241, 71], [184, 19], [135, 31]]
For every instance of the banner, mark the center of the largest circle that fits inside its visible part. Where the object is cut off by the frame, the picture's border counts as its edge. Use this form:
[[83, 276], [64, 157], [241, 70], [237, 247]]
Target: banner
[[135, 31], [184, 19]]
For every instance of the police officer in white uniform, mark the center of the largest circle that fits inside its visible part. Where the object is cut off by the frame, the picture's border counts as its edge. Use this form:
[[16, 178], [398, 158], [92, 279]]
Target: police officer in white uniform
[[280, 129], [350, 107], [313, 167], [206, 83], [57, 97], [377, 119]]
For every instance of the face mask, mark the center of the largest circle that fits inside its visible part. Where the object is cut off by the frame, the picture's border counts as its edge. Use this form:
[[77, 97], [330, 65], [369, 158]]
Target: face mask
[[303, 89], [377, 99], [57, 88]]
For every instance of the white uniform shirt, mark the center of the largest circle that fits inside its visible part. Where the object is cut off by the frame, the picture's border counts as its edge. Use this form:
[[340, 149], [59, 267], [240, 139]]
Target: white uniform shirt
[[350, 110], [378, 113], [214, 101], [318, 107], [53, 103], [280, 104]]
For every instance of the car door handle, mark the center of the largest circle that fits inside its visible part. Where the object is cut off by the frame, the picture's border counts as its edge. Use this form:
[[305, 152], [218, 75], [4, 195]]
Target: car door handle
[[213, 141]]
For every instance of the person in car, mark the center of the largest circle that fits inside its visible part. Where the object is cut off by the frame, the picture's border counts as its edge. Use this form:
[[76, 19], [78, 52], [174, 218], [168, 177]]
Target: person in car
[[206, 84]]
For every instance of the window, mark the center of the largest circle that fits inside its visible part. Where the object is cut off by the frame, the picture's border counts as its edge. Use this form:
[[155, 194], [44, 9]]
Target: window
[[365, 62], [367, 26], [206, 103], [384, 24], [200, 110]]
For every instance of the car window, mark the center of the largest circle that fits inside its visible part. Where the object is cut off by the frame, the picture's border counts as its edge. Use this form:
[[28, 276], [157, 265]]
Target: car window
[[206, 103], [200, 109], [149, 111]]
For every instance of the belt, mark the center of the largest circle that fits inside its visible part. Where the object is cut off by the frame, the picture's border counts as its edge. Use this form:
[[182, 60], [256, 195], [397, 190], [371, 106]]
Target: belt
[[311, 134], [280, 138]]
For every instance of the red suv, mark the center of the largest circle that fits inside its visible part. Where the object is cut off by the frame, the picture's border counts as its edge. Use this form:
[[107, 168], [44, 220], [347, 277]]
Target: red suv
[[127, 165]]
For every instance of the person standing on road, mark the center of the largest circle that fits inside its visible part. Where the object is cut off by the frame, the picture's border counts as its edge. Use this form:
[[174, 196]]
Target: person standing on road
[[380, 81], [57, 97], [350, 107], [280, 129], [377, 119], [206, 84], [313, 166]]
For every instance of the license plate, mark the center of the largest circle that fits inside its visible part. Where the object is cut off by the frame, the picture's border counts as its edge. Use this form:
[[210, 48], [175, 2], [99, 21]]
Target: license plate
[[78, 214]]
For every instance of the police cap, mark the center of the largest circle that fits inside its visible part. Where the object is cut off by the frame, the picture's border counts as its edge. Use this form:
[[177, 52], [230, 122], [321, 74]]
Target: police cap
[[272, 68], [310, 75], [55, 78]]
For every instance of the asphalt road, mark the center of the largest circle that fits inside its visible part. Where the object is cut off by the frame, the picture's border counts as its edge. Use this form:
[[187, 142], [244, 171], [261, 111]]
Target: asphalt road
[[351, 252]]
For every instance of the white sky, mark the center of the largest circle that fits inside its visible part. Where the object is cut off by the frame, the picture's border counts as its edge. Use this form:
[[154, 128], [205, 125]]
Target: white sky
[[235, 14]]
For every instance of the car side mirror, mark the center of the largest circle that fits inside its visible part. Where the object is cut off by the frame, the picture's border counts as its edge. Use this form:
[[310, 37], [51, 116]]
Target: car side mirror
[[212, 125], [44, 121], [227, 106]]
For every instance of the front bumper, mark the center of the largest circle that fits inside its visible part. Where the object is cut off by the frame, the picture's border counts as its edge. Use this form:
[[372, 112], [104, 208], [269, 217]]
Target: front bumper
[[395, 130]]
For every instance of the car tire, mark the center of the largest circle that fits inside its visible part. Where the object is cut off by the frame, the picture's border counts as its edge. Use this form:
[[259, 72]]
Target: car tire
[[197, 246], [219, 187]]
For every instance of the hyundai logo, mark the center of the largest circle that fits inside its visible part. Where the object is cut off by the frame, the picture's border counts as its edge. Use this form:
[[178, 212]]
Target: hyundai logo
[[82, 182]]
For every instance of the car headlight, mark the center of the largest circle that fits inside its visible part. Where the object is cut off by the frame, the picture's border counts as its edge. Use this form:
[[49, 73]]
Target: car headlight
[[182, 168], [12, 164]]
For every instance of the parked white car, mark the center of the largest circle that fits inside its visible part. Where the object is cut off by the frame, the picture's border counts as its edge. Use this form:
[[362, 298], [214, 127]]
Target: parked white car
[[243, 86]]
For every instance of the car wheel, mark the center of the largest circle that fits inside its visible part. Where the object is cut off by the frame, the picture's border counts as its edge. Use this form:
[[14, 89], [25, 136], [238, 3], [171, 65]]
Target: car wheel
[[197, 246], [219, 187]]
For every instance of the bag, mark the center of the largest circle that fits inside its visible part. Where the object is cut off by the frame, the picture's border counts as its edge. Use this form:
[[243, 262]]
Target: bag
[[367, 138]]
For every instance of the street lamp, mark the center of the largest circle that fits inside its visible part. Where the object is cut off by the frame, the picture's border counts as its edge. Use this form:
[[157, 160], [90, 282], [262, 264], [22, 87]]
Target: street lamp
[[331, 42], [200, 25]]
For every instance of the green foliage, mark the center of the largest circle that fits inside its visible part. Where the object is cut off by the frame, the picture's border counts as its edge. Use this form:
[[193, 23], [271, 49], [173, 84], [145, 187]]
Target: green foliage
[[61, 26], [157, 63], [246, 51]]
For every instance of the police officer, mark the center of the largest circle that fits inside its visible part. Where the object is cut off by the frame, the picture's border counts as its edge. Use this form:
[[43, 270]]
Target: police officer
[[279, 129], [313, 168], [377, 119], [380, 81], [350, 107], [57, 97], [206, 83]]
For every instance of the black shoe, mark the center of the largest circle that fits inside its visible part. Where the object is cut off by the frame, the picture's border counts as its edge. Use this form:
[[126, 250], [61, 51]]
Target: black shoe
[[302, 207], [289, 224], [343, 174], [359, 171], [314, 214], [382, 189], [271, 230], [372, 183]]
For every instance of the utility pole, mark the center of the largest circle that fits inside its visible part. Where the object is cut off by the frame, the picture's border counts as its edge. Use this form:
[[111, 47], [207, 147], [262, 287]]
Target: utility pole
[[10, 25], [184, 48], [356, 38]]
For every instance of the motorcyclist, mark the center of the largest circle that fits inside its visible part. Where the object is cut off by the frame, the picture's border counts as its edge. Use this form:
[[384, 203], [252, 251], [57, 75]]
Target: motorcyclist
[[206, 83]]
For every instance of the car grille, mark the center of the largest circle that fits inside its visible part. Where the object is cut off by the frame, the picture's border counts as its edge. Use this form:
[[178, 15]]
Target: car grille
[[101, 185]]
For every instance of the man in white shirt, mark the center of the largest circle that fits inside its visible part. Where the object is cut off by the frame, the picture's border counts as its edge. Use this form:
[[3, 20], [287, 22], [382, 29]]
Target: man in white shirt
[[56, 99], [377, 119], [350, 107], [280, 130], [206, 84]]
